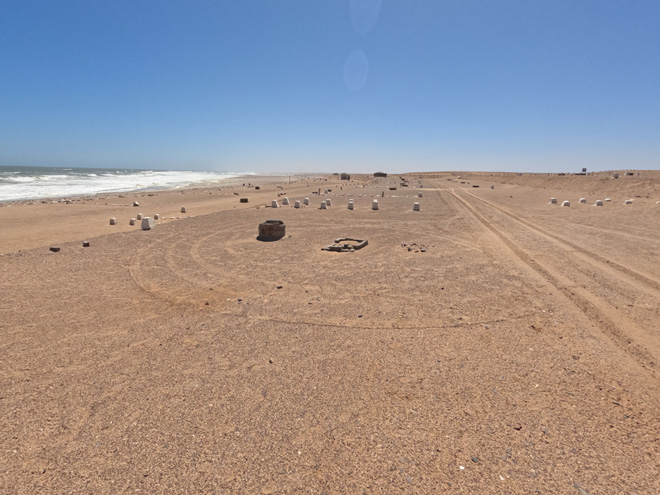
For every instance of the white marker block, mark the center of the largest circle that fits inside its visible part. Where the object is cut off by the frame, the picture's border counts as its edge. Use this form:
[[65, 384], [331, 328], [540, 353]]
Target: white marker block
[[148, 223], [351, 206], [131, 221], [374, 204], [156, 216], [285, 201], [306, 201], [566, 203], [296, 204], [183, 209], [627, 202], [328, 202], [324, 206], [113, 221], [583, 200], [607, 200], [416, 207], [274, 204], [419, 194], [553, 201], [139, 216], [599, 202]]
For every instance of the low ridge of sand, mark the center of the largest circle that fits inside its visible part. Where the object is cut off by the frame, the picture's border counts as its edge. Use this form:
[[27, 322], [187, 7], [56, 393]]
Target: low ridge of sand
[[490, 343]]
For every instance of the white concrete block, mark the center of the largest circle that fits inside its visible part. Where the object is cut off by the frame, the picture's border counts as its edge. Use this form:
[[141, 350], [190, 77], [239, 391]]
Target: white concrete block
[[324, 206], [627, 202], [285, 201], [296, 204], [306, 201], [131, 221], [274, 204], [607, 200], [148, 223], [328, 202], [374, 204], [156, 216], [183, 209], [599, 202], [553, 201], [113, 221], [583, 200], [351, 206], [416, 207], [566, 203], [139, 216]]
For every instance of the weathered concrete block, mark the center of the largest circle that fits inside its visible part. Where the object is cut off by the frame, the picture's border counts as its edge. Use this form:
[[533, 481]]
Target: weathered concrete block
[[285, 201], [156, 216], [599, 202], [416, 207], [419, 194], [183, 209], [306, 201], [324, 205], [139, 216], [271, 230], [274, 204], [553, 201], [351, 206], [148, 223], [374, 204], [131, 221], [566, 203], [583, 200], [296, 204], [113, 221], [328, 202], [627, 202]]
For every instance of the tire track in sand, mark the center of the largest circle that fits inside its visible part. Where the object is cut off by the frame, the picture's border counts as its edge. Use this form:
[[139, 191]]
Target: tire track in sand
[[628, 336]]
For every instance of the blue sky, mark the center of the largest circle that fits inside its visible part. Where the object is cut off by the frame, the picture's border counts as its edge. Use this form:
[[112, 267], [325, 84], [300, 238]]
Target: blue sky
[[331, 85]]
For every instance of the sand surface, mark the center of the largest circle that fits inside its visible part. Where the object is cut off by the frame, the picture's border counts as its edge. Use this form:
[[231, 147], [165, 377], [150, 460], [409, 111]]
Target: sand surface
[[489, 343]]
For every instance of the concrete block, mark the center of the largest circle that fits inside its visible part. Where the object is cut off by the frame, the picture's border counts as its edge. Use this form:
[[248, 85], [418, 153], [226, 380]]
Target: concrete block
[[148, 223]]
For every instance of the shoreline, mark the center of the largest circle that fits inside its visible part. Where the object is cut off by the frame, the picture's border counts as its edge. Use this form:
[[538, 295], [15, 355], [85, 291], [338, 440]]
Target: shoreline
[[30, 224]]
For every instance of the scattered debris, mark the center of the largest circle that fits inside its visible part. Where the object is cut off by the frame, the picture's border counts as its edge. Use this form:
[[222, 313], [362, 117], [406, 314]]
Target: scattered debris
[[346, 245]]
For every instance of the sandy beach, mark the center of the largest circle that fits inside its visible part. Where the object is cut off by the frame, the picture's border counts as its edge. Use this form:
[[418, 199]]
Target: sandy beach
[[491, 342]]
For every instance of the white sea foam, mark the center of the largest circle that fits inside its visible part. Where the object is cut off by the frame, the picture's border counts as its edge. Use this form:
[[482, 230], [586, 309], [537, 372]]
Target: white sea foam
[[36, 183]]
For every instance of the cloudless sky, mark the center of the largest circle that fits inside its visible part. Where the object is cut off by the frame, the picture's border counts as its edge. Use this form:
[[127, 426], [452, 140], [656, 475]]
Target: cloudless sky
[[331, 85]]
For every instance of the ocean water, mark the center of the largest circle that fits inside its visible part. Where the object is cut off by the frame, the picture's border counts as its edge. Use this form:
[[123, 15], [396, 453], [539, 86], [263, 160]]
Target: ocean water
[[50, 182]]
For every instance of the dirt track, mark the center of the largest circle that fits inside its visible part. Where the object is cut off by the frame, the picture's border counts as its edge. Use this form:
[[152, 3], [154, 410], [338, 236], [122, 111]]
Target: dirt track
[[517, 354]]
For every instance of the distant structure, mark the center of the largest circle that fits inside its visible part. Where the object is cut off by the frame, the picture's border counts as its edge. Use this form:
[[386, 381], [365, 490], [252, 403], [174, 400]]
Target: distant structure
[[345, 176], [380, 174]]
